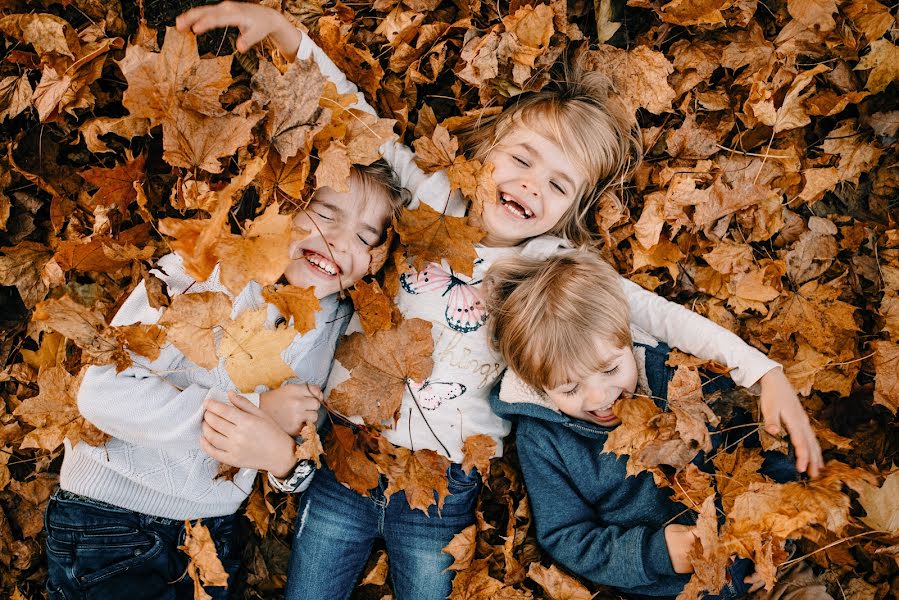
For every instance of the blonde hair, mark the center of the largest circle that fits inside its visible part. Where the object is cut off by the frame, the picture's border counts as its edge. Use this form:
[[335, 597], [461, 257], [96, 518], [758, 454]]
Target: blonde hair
[[379, 178], [546, 315], [597, 131]]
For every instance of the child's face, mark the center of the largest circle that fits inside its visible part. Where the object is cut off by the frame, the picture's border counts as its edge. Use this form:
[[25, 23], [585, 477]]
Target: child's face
[[343, 228], [590, 397], [536, 185]]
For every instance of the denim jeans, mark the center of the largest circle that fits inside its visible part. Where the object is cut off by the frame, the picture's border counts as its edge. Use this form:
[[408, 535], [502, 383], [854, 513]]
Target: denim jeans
[[98, 551], [336, 528]]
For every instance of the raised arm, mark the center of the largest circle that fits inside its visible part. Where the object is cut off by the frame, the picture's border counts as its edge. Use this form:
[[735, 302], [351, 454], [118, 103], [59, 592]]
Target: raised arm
[[258, 22], [693, 333]]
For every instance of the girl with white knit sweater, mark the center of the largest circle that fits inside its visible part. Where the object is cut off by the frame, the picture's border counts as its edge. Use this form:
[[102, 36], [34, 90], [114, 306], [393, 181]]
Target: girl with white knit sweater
[[115, 524], [555, 154]]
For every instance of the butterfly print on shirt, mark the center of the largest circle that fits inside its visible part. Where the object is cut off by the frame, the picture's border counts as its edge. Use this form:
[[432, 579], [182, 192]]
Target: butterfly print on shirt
[[431, 394], [464, 311]]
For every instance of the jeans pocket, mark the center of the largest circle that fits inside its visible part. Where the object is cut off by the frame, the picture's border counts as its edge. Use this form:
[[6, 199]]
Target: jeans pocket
[[54, 592], [102, 556], [459, 481]]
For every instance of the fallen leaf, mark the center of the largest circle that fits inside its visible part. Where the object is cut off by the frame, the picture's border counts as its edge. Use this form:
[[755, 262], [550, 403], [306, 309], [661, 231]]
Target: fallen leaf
[[886, 385], [190, 321], [477, 450], [373, 306], [116, 185], [346, 456], [252, 353], [311, 448], [204, 566], [431, 236], [462, 548], [881, 504], [299, 304], [883, 62], [557, 584], [378, 573]]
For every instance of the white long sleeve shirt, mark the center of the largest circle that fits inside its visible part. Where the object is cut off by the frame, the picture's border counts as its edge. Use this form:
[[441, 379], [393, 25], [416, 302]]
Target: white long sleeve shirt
[[153, 464], [454, 399]]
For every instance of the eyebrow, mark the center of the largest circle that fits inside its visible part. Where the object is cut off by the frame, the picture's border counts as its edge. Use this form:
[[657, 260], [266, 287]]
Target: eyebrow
[[530, 150]]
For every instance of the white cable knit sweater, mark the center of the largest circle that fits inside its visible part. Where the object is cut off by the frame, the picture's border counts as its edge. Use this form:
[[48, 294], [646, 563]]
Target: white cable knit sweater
[[153, 410]]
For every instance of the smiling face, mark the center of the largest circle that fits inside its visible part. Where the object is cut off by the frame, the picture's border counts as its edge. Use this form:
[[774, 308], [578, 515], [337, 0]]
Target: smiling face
[[343, 228], [590, 396], [536, 184]]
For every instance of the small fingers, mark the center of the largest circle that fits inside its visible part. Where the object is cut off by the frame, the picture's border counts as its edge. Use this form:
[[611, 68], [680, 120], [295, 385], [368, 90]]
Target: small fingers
[[219, 424], [215, 438]]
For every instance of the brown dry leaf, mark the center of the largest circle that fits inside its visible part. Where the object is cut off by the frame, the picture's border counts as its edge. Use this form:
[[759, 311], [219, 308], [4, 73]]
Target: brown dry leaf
[[50, 353], [54, 413], [739, 470], [345, 453], [292, 99], [641, 75], [634, 432], [475, 583], [886, 384], [311, 448], [373, 306], [462, 548], [48, 34], [196, 240], [333, 169], [22, 266], [204, 566], [126, 127], [881, 504], [174, 79], [477, 450], [883, 62], [261, 254], [190, 321], [686, 402], [252, 353], [258, 512], [691, 12], [378, 573], [437, 152], [380, 367], [286, 177], [871, 17], [145, 340], [857, 155], [299, 304], [86, 328], [709, 556], [116, 185], [431, 236], [420, 475], [690, 486], [556, 584], [15, 96], [195, 141], [814, 13]]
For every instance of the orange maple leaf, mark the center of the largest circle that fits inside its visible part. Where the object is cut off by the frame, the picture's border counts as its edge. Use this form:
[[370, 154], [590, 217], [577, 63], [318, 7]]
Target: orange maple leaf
[[432, 236]]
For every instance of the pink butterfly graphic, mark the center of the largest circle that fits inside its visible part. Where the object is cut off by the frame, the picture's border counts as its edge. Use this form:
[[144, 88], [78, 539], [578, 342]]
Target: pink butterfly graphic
[[464, 311], [431, 394]]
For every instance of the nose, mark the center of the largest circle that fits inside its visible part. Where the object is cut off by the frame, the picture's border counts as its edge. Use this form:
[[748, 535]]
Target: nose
[[529, 188], [339, 239]]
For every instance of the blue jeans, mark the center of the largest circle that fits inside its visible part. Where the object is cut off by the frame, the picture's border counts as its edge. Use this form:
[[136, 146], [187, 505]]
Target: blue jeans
[[336, 528], [96, 551]]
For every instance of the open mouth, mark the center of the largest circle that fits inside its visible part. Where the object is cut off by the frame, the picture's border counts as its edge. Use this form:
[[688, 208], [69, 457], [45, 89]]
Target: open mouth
[[514, 207], [323, 264], [603, 416]]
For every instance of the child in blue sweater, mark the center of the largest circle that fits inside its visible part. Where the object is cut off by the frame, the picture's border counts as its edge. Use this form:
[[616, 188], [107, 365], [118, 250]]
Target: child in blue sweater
[[563, 327]]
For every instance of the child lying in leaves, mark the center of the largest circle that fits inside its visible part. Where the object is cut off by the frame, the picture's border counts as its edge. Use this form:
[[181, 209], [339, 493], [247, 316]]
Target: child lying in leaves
[[562, 325]]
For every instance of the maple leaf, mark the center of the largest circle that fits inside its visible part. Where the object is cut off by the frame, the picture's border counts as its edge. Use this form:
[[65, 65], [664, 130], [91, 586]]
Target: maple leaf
[[261, 254], [145, 340], [346, 456], [287, 177], [333, 169], [557, 584], [432, 236], [204, 566], [641, 75], [380, 367], [462, 548], [86, 328], [252, 353], [197, 239], [873, 18], [373, 306], [104, 253], [258, 512], [420, 474], [48, 34], [740, 469], [437, 152], [21, 266], [195, 141], [292, 99], [690, 485], [15, 95], [126, 127], [883, 62], [886, 385], [311, 448], [475, 583], [189, 323], [160, 84], [116, 185], [477, 450], [685, 401], [881, 504], [709, 556], [54, 413], [300, 304]]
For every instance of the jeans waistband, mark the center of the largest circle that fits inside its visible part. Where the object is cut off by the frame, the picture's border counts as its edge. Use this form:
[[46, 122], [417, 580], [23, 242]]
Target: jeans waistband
[[67, 496]]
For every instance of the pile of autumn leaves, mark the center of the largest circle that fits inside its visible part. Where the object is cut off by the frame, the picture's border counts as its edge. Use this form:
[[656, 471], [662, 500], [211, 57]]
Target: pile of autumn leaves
[[733, 175]]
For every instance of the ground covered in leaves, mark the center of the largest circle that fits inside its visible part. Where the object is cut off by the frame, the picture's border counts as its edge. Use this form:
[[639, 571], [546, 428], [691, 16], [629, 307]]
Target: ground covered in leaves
[[767, 201]]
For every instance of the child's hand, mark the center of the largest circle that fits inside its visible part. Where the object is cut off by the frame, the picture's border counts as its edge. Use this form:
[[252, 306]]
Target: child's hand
[[255, 23], [755, 581], [679, 539], [781, 409], [292, 406], [241, 435]]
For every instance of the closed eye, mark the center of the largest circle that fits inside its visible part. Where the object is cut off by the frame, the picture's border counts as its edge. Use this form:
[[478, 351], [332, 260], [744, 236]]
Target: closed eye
[[557, 187], [520, 161], [323, 216], [611, 371], [572, 391], [368, 243]]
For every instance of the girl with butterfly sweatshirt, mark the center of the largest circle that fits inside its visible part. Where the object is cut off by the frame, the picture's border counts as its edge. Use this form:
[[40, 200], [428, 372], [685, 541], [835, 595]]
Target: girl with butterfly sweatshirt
[[556, 154]]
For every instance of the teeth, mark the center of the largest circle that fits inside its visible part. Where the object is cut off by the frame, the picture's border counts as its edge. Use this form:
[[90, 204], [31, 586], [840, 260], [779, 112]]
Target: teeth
[[322, 263], [520, 210]]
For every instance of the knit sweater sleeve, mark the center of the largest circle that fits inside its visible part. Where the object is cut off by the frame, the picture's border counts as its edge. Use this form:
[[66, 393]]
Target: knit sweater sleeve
[[571, 530], [140, 405], [433, 189], [682, 328]]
